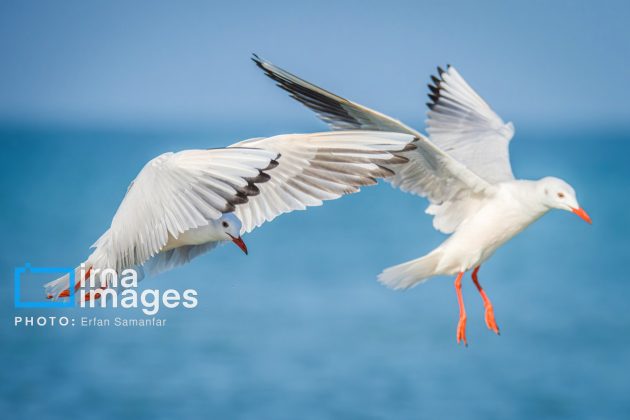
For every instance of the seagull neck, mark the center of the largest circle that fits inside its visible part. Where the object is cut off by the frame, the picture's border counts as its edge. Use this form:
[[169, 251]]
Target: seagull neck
[[530, 196]]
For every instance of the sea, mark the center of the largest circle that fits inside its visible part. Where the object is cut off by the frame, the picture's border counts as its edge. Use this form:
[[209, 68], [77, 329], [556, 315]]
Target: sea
[[300, 328]]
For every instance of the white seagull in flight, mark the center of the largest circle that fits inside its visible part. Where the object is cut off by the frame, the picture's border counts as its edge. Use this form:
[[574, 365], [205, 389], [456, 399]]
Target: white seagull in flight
[[184, 204], [464, 171]]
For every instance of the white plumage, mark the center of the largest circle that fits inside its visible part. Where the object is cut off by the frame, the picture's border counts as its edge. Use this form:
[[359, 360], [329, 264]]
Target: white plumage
[[316, 168], [183, 204], [463, 170]]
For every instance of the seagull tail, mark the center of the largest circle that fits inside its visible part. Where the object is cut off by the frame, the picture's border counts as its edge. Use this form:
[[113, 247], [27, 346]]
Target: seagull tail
[[59, 288], [411, 273]]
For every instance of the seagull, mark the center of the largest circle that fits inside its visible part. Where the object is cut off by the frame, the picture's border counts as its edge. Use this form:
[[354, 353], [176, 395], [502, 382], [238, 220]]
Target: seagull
[[463, 170], [182, 205]]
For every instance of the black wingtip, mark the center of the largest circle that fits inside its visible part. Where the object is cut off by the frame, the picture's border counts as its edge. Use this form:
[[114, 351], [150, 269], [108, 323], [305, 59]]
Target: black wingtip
[[259, 179], [239, 198], [249, 190], [272, 164], [386, 172], [435, 88], [228, 208], [410, 146], [259, 61]]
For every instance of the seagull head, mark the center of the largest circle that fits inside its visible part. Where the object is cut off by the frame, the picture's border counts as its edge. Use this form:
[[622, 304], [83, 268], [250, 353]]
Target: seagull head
[[229, 227], [558, 194]]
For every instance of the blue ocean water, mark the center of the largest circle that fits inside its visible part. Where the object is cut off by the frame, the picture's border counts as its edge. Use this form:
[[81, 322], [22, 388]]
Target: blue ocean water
[[300, 328]]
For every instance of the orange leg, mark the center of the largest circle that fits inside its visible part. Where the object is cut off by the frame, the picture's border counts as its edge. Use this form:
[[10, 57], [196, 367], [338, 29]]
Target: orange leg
[[490, 321], [77, 285], [461, 325]]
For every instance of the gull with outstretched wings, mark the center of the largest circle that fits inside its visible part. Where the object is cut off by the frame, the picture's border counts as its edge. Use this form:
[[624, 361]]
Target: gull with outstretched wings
[[463, 169], [184, 204]]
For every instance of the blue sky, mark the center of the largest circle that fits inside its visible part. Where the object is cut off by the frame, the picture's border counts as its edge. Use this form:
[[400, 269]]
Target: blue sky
[[187, 62]]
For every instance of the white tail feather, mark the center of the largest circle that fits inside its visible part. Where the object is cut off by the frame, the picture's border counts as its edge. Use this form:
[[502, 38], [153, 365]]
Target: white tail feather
[[411, 273]]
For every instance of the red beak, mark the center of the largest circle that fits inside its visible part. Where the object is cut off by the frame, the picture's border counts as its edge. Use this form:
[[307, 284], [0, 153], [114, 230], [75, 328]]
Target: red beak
[[580, 212], [239, 242]]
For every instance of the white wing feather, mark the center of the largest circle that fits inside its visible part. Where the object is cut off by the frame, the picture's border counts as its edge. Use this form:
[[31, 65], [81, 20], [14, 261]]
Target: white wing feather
[[316, 167], [176, 192], [462, 124], [453, 190]]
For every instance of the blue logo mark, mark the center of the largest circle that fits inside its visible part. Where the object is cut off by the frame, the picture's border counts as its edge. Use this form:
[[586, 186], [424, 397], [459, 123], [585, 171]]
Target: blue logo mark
[[62, 271]]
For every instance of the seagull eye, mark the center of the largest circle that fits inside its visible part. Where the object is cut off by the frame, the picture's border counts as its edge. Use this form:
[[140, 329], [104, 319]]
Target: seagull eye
[[225, 224], [560, 195]]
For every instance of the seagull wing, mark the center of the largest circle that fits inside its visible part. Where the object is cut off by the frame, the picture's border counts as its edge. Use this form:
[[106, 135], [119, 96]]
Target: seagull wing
[[453, 190], [461, 123], [316, 167], [176, 192], [339, 113]]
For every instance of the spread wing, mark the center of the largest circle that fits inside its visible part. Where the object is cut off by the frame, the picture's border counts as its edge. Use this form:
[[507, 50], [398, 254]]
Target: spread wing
[[316, 167], [339, 113], [176, 192], [462, 124], [453, 189]]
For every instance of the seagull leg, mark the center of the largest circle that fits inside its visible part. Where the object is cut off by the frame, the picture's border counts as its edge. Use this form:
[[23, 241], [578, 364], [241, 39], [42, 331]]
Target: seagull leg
[[461, 325], [490, 321], [77, 285]]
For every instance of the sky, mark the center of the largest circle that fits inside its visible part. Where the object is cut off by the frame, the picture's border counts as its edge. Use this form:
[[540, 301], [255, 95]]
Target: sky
[[159, 63]]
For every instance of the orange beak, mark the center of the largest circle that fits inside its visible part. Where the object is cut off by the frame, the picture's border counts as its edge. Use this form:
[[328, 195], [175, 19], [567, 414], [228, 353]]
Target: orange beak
[[580, 212], [239, 242]]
